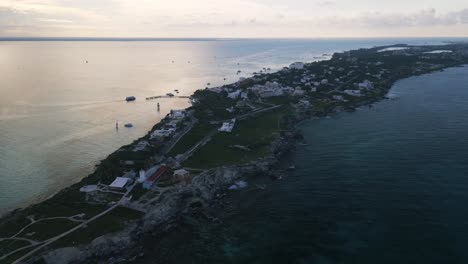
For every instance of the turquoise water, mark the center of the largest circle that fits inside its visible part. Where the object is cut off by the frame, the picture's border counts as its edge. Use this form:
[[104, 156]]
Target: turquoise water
[[387, 184], [58, 113]]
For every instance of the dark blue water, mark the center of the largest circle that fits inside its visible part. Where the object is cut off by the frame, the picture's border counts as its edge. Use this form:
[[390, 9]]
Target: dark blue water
[[387, 184]]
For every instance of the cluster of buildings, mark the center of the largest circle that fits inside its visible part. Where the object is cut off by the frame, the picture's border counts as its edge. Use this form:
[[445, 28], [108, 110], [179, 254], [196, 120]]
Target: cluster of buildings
[[271, 89], [169, 127], [149, 177]]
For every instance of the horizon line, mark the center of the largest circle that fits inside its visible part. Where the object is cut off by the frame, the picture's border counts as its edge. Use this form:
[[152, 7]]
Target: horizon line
[[23, 38]]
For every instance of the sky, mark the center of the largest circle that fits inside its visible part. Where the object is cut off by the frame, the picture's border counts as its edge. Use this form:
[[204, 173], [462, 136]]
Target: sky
[[233, 18]]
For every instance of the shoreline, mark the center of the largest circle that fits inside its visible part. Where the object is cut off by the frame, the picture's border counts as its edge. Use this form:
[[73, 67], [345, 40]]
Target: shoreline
[[207, 185]]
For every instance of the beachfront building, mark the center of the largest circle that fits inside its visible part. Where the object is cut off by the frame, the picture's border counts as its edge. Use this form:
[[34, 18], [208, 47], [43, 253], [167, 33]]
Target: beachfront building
[[162, 133], [227, 126], [89, 188], [178, 114]]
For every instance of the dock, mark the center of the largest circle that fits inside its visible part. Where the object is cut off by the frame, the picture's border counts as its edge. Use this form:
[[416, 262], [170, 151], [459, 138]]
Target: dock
[[166, 96]]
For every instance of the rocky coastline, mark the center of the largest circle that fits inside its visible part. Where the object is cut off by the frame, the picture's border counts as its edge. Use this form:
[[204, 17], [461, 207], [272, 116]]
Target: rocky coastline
[[206, 190]]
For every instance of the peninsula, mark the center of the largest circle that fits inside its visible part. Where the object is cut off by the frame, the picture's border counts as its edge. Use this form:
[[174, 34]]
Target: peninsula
[[193, 155]]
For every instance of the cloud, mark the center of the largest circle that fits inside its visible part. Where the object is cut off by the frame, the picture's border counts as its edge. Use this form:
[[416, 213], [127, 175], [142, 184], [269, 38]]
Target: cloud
[[214, 18], [423, 18], [326, 3]]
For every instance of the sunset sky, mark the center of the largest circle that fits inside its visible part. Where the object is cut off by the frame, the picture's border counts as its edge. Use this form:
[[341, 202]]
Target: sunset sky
[[232, 18]]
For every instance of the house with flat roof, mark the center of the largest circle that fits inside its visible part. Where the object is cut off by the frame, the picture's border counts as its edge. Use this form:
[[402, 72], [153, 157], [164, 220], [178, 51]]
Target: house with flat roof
[[178, 114], [227, 126], [119, 183]]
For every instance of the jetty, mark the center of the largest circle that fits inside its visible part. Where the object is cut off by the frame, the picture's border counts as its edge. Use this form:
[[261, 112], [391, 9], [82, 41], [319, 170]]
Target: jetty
[[166, 96]]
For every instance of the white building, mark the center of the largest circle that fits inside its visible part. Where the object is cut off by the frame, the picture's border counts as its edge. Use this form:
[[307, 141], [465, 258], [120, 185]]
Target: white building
[[234, 95], [244, 95], [298, 92], [366, 85], [338, 97], [297, 66], [162, 133], [304, 103], [119, 183], [324, 81], [270, 93], [227, 126], [178, 114], [353, 92]]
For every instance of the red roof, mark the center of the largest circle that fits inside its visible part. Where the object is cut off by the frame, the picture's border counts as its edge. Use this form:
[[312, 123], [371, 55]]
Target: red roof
[[158, 174]]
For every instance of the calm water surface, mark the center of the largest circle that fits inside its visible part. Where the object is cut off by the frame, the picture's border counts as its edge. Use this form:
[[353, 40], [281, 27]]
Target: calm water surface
[[387, 184], [58, 113]]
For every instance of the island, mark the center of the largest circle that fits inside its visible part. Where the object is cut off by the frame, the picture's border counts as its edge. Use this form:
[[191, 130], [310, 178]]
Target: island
[[193, 155]]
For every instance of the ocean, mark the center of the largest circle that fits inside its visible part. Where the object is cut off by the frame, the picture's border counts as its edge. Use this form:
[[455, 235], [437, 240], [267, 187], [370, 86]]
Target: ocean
[[60, 100]]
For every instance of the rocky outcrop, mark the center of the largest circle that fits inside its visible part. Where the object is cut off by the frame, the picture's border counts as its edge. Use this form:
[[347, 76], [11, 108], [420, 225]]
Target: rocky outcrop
[[171, 203]]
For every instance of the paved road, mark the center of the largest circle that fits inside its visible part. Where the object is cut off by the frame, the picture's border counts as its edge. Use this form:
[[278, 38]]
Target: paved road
[[83, 224]]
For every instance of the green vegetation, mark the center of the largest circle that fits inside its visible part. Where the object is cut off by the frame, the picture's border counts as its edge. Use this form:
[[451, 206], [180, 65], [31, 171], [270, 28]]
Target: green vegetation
[[46, 229], [7, 246], [66, 203], [212, 106], [15, 256], [254, 133], [112, 222], [196, 134], [137, 192]]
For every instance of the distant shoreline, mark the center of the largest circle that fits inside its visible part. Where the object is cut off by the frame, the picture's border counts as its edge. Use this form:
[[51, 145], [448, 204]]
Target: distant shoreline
[[448, 40]]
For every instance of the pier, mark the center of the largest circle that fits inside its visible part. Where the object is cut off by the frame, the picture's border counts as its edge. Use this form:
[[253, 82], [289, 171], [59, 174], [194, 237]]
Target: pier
[[166, 96]]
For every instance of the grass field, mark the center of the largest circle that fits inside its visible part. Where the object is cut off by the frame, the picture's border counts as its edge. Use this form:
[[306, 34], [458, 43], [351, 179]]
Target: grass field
[[112, 222], [254, 133], [191, 138], [46, 229], [7, 246]]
